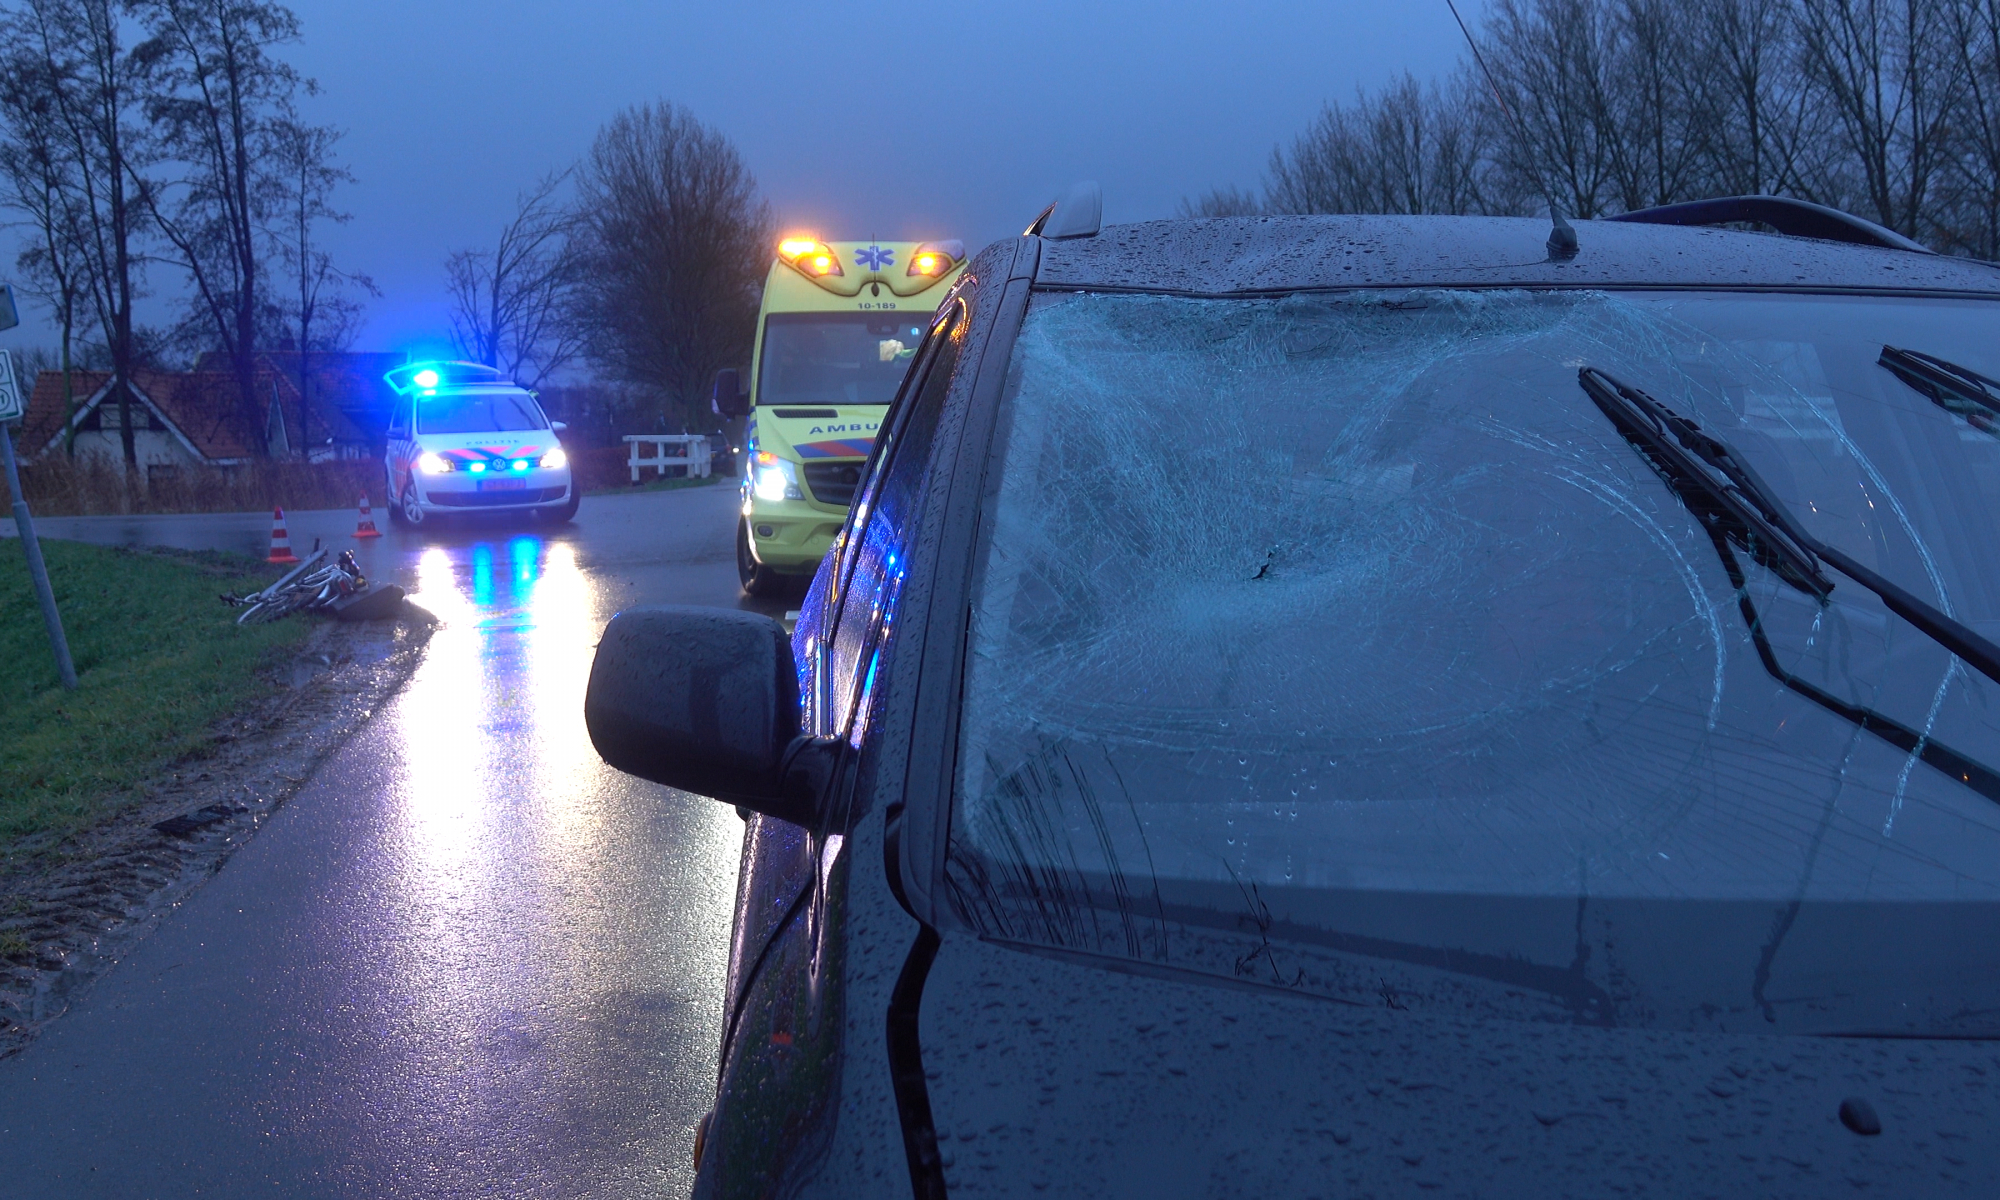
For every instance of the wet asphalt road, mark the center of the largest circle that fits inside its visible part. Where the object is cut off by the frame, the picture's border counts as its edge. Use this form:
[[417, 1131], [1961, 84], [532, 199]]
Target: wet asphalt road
[[467, 958]]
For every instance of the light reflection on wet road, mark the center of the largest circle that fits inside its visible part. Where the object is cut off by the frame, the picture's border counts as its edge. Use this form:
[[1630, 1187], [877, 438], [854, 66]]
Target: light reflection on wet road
[[466, 959]]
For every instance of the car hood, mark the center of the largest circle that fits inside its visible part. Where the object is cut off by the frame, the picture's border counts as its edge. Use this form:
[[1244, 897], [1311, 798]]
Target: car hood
[[1053, 1075]]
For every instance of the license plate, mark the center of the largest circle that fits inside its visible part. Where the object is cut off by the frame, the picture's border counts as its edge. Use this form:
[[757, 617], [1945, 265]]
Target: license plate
[[502, 485]]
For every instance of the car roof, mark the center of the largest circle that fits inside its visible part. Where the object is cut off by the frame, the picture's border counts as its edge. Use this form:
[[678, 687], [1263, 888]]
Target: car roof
[[1232, 255]]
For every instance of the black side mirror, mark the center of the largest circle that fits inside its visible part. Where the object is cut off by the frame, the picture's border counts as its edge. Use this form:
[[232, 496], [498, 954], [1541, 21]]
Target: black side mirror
[[731, 399], [707, 700]]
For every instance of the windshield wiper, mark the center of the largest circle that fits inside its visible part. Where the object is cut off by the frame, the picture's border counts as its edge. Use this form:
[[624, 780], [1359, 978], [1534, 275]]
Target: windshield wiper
[[1729, 497], [1734, 506], [1951, 387], [1724, 493]]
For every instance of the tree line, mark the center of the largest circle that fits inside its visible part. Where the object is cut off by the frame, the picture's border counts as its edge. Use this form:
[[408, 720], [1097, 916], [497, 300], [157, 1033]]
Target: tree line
[[148, 136], [1889, 109], [644, 260], [142, 139]]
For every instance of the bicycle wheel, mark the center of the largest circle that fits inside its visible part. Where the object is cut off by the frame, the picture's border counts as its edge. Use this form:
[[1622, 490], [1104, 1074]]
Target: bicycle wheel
[[271, 609]]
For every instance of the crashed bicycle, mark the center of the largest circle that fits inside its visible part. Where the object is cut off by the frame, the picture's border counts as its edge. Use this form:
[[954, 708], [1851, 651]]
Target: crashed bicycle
[[318, 585]]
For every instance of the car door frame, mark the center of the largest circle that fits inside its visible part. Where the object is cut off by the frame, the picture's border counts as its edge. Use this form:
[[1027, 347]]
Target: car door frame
[[919, 835], [791, 957], [399, 445], [747, 960]]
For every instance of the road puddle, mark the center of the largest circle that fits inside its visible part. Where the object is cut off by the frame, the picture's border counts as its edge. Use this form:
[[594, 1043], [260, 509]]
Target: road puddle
[[534, 891]]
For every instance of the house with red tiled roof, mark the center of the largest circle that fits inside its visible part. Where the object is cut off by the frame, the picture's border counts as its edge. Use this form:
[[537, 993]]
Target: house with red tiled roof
[[185, 419], [348, 381], [339, 407]]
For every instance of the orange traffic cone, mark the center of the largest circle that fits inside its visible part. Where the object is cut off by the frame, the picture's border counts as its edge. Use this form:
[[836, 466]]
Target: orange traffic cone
[[281, 542], [366, 529]]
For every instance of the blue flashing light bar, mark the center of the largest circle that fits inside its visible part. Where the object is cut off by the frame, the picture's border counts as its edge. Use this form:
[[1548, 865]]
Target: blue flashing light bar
[[425, 378]]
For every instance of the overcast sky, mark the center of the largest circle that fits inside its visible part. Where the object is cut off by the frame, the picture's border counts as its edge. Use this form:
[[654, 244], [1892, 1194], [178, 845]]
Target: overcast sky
[[886, 119]]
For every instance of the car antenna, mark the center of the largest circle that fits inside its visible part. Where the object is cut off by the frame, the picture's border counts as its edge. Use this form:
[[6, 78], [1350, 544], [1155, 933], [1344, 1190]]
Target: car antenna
[[1562, 237]]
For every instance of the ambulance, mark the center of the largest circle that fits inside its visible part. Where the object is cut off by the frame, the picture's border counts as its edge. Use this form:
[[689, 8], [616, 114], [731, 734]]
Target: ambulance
[[839, 326]]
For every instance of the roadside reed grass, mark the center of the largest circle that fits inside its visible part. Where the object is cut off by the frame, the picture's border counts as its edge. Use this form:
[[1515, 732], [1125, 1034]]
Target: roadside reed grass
[[89, 485]]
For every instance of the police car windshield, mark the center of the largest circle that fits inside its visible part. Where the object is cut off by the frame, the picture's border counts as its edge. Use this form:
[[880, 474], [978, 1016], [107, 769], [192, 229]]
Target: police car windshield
[[1344, 642], [479, 412], [836, 358]]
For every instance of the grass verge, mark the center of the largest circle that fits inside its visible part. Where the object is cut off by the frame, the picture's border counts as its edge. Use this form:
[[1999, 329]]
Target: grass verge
[[158, 660], [654, 485]]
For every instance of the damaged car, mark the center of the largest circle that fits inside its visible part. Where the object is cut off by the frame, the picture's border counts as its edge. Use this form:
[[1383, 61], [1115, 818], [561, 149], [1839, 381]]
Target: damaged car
[[1324, 706]]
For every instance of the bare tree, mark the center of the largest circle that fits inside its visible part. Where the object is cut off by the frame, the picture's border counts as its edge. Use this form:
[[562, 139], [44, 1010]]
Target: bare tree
[[1407, 149], [322, 314], [1230, 201], [510, 305], [1595, 106], [216, 96], [1658, 102], [1552, 68], [1758, 108], [1888, 108], [1972, 223], [38, 181], [673, 246], [1888, 80], [77, 84], [1431, 141]]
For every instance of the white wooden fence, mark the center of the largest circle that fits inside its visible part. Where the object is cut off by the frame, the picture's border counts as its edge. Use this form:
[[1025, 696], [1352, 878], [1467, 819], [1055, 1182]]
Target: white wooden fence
[[665, 450]]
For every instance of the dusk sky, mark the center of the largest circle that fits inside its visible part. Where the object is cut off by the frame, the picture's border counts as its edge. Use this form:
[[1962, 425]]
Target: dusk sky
[[888, 119]]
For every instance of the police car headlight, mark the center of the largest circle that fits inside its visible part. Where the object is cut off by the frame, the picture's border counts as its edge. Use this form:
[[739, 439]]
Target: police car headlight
[[555, 458], [431, 464], [775, 478]]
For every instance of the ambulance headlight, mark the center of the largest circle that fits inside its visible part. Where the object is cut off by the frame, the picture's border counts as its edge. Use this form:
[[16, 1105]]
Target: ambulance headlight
[[431, 464], [810, 256], [936, 258], [774, 478], [555, 458]]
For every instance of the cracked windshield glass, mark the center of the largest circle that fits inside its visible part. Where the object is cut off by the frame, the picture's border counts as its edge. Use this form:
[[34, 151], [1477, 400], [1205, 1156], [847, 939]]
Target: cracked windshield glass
[[1451, 701]]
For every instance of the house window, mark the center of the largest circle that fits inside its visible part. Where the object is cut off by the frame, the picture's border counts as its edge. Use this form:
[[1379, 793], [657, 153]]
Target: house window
[[104, 418]]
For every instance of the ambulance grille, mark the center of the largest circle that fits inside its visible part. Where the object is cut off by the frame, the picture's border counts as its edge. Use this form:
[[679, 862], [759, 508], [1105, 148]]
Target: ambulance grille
[[833, 483]]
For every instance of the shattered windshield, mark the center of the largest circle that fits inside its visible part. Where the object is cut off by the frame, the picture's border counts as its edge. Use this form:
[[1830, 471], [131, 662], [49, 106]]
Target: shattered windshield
[[1340, 642]]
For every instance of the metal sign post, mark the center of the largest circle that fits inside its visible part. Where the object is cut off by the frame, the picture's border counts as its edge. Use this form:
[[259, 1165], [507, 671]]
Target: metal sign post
[[12, 409]]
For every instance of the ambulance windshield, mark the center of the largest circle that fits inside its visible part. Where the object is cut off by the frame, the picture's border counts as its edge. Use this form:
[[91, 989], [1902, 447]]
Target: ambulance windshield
[[837, 358]]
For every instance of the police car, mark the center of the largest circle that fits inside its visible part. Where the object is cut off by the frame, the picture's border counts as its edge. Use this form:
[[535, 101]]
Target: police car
[[466, 438]]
